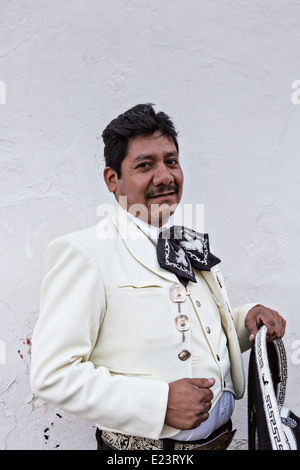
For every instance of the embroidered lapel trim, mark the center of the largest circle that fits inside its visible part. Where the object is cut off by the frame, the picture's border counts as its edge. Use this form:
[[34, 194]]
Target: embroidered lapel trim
[[183, 265]]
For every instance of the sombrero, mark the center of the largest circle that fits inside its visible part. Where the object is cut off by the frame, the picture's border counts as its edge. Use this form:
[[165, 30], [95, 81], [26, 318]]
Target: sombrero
[[271, 425]]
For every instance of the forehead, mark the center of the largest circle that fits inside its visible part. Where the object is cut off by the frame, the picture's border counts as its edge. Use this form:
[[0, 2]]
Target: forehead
[[152, 144]]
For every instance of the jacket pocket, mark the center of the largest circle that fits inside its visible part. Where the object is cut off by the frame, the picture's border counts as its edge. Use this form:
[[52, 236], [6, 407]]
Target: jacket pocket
[[130, 372], [138, 313], [131, 285]]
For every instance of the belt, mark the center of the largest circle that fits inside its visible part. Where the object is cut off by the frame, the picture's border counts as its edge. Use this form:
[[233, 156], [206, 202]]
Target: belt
[[220, 439]]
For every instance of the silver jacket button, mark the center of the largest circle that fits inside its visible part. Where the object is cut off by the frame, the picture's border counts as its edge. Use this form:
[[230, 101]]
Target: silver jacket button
[[182, 323], [178, 293]]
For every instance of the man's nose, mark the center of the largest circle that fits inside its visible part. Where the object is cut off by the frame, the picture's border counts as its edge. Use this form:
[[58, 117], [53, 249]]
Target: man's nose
[[162, 175]]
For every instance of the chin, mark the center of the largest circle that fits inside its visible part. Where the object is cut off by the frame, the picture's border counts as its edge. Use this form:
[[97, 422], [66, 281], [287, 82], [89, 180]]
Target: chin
[[159, 215]]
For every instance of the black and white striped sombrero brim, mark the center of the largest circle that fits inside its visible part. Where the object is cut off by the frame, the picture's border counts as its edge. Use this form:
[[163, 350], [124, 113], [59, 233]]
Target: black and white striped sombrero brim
[[271, 425]]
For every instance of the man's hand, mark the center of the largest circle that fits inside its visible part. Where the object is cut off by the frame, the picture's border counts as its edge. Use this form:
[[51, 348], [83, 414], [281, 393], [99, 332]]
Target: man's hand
[[260, 315], [189, 402]]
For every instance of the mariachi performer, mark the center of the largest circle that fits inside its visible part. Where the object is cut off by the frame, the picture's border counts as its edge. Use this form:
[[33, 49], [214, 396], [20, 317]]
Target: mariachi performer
[[135, 330]]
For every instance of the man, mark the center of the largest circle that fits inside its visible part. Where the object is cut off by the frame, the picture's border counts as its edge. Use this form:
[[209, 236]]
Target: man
[[135, 331]]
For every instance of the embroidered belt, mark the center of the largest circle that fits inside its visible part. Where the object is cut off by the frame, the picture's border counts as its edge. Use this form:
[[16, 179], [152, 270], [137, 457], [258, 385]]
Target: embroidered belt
[[218, 440]]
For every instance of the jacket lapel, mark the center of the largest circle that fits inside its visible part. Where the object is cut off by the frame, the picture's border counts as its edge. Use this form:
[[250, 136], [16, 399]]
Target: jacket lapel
[[211, 279], [216, 283], [140, 246], [144, 250]]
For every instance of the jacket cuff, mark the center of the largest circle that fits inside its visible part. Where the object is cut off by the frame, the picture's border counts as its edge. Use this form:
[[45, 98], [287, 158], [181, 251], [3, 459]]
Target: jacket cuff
[[239, 315]]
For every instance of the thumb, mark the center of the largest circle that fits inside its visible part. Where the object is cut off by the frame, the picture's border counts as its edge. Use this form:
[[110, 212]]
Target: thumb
[[203, 383], [253, 327]]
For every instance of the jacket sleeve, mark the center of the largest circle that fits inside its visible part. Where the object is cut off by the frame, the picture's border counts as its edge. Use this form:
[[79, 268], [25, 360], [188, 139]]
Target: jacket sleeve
[[239, 315], [71, 310]]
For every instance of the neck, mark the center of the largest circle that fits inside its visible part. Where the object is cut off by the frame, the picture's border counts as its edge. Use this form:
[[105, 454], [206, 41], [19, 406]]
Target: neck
[[149, 229]]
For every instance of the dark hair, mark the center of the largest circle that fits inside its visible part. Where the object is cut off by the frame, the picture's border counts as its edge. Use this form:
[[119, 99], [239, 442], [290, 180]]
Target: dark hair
[[139, 120]]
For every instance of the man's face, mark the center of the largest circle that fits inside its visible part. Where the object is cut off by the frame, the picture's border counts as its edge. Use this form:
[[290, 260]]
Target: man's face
[[151, 177]]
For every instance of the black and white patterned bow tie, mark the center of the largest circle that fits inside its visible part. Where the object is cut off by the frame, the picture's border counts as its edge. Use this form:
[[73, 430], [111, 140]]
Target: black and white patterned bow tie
[[180, 249]]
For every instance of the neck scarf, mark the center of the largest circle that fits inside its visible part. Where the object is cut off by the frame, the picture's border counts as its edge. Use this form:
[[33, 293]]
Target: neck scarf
[[180, 249]]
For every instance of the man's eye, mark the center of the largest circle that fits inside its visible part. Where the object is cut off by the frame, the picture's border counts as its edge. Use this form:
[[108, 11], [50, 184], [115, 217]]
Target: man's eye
[[172, 161], [144, 165]]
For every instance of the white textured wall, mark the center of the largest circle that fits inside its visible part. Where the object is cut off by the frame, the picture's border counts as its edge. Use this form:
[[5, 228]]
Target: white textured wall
[[223, 69]]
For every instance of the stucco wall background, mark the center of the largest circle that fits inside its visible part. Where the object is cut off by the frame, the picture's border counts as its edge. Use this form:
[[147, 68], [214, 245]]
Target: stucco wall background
[[223, 70]]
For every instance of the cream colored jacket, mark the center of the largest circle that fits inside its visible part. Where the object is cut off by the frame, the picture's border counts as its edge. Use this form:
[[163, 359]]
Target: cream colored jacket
[[105, 346]]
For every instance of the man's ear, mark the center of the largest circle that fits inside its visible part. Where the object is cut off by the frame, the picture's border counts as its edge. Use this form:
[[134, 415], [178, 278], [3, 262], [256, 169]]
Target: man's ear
[[110, 178]]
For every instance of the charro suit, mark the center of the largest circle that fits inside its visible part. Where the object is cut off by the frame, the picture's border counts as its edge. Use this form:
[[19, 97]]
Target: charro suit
[[105, 345]]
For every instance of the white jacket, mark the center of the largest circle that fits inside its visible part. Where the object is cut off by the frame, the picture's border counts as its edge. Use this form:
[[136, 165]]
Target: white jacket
[[104, 346]]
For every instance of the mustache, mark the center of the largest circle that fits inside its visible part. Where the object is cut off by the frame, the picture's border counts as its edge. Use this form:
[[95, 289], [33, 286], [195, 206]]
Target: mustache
[[163, 189]]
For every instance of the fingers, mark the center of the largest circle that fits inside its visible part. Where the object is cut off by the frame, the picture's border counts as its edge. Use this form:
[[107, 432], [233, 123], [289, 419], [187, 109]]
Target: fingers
[[203, 383], [275, 324], [189, 402], [275, 327], [253, 327], [261, 315], [203, 400], [202, 415]]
